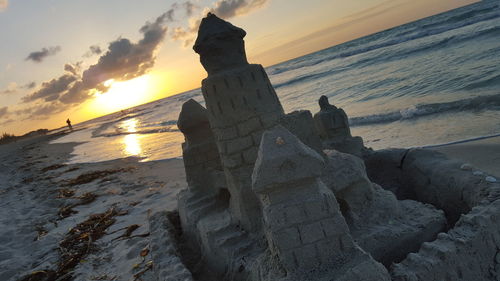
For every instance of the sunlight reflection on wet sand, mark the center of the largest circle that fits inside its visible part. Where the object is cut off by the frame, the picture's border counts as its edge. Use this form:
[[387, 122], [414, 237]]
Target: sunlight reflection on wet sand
[[131, 142]]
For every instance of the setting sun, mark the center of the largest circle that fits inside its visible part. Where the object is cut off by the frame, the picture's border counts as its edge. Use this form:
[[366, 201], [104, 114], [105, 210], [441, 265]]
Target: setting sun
[[121, 95]]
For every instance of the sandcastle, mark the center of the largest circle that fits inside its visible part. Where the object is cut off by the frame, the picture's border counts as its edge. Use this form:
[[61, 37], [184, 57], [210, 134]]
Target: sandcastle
[[332, 125], [271, 196]]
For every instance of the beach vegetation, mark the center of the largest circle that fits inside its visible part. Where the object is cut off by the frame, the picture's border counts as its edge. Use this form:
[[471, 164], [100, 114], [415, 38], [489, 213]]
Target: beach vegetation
[[7, 138]]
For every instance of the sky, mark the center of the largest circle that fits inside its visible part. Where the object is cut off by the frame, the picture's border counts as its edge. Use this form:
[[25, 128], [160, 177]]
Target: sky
[[81, 59]]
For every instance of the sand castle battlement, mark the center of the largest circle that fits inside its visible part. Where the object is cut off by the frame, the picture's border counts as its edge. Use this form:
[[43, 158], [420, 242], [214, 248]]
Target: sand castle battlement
[[275, 196]]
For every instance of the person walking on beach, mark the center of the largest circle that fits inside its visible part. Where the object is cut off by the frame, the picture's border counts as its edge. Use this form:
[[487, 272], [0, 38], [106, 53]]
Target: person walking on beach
[[69, 124]]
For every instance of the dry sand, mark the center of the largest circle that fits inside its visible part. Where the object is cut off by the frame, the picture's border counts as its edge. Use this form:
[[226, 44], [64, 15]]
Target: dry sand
[[482, 154], [32, 174]]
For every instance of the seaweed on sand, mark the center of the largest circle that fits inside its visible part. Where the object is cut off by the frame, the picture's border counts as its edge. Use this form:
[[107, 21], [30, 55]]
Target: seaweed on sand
[[52, 167], [77, 244], [91, 176], [65, 193], [66, 211], [87, 198]]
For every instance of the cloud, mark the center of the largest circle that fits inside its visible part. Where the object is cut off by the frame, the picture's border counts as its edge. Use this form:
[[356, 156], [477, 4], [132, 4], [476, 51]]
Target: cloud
[[230, 8], [39, 111], [10, 120], [3, 111], [3, 5], [51, 90], [73, 68], [169, 15], [190, 8], [11, 89], [30, 85], [124, 59], [44, 111], [79, 93], [93, 50], [224, 9], [39, 56]]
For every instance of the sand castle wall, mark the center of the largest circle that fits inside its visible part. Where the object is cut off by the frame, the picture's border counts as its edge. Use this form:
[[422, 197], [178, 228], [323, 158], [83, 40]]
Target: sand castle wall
[[469, 251], [430, 177], [241, 104]]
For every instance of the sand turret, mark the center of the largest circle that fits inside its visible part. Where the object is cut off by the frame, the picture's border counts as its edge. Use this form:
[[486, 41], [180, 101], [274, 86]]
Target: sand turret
[[220, 45], [332, 126], [241, 104]]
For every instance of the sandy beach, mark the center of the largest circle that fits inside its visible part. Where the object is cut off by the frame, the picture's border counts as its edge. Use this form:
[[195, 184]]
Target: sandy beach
[[37, 187], [43, 201]]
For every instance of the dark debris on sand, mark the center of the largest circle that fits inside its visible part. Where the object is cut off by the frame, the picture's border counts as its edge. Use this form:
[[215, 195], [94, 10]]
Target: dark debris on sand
[[52, 167], [91, 176], [77, 244], [67, 210]]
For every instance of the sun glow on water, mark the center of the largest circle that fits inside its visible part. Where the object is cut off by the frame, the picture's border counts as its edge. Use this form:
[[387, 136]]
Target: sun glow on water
[[131, 143]]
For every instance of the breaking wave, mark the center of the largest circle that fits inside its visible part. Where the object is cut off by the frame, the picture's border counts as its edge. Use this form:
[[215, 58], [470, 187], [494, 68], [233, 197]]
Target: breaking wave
[[473, 104]]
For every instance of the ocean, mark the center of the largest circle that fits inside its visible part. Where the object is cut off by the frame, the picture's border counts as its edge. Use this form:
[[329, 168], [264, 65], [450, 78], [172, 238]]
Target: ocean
[[429, 82]]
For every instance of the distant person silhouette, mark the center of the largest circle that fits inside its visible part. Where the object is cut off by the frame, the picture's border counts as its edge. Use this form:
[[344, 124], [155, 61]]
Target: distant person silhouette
[[69, 125]]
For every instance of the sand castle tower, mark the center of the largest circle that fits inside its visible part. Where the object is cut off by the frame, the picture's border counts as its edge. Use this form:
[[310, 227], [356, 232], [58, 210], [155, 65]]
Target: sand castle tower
[[241, 104], [303, 223], [199, 151], [332, 125]]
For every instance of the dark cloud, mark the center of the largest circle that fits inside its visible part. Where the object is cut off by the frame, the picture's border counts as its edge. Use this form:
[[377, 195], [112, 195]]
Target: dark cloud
[[39, 56], [230, 8], [93, 50], [3, 111], [77, 94], [51, 90], [73, 68], [169, 15], [30, 85], [190, 8], [224, 9], [124, 59]]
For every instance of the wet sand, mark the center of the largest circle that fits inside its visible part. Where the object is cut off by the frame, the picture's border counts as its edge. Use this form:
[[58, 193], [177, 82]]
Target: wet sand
[[482, 154]]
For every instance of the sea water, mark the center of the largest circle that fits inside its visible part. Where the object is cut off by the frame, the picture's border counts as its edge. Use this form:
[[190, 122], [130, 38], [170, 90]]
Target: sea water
[[433, 81]]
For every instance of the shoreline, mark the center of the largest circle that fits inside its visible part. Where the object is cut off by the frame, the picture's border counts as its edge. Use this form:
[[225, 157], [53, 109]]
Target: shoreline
[[34, 179], [483, 153]]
